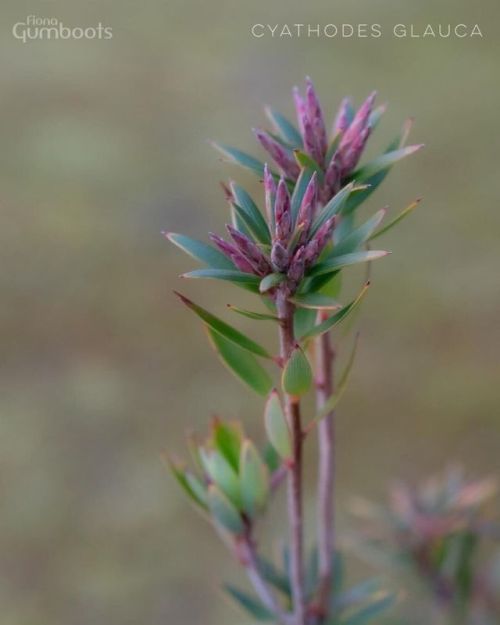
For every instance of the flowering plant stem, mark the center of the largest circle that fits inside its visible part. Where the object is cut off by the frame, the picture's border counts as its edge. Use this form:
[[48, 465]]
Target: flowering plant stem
[[285, 310]]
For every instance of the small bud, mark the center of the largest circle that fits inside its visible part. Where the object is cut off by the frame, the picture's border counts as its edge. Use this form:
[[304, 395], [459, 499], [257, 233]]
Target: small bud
[[279, 256], [228, 249], [232, 252], [307, 207], [249, 250], [359, 122], [297, 266], [343, 118], [324, 234], [270, 193], [316, 118], [282, 215], [300, 108], [279, 153], [333, 174]]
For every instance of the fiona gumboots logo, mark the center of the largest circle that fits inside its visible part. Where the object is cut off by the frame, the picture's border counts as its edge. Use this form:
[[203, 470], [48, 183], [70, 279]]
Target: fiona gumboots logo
[[50, 28]]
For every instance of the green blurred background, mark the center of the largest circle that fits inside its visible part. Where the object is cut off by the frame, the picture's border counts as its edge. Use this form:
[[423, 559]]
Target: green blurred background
[[104, 144]]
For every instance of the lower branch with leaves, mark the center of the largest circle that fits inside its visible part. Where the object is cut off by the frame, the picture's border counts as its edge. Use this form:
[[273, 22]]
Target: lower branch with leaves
[[290, 255]]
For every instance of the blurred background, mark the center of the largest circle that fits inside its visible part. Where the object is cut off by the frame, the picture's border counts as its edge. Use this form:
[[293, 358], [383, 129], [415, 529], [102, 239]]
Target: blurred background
[[104, 144]]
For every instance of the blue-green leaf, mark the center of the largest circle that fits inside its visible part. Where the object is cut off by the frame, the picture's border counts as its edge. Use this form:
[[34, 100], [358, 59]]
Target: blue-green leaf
[[338, 262], [199, 250], [241, 363], [251, 605], [270, 281], [334, 207], [256, 316], [230, 333], [306, 162], [286, 129], [358, 236], [240, 278], [297, 374], [223, 511], [233, 155], [404, 213], [252, 216], [383, 162]]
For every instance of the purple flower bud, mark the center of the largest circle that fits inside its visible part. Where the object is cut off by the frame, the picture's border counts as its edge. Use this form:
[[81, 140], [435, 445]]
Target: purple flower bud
[[310, 144], [342, 120], [307, 207], [279, 256], [242, 263], [352, 156], [300, 108], [250, 250], [359, 122], [324, 234], [270, 193], [232, 252], [279, 153], [228, 249], [333, 174], [297, 266], [311, 252], [316, 118], [282, 215]]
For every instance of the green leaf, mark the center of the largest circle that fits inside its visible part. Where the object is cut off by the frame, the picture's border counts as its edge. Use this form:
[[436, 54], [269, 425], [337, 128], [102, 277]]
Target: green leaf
[[230, 333], [273, 575], [227, 440], [250, 214], [222, 474], [223, 511], [338, 262], [251, 314], [286, 129], [376, 116], [240, 278], [200, 251], [409, 209], [250, 604], [303, 320], [241, 363], [357, 594], [189, 486], [238, 157], [340, 388], [334, 207], [370, 612], [299, 190], [254, 479], [297, 375], [277, 429], [270, 281], [383, 162], [335, 319], [304, 160], [316, 301], [357, 237]]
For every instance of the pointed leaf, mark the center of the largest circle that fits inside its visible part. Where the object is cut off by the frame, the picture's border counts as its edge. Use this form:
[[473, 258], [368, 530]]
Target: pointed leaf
[[357, 594], [240, 278], [316, 301], [371, 611], [299, 190], [335, 319], [305, 161], [241, 363], [297, 375], [223, 511], [303, 320], [252, 315], [223, 475], [357, 237], [250, 604], [181, 475], [201, 251], [233, 155], [286, 129], [227, 440], [270, 281], [254, 478], [409, 209], [277, 429], [334, 207], [252, 216], [338, 262], [383, 162], [274, 576], [230, 333]]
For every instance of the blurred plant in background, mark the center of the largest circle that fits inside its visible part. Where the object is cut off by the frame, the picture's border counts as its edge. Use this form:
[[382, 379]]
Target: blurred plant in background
[[291, 259], [437, 531]]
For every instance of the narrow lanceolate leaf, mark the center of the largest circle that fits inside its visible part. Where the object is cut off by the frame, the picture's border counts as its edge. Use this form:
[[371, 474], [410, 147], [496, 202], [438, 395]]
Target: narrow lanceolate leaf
[[297, 375], [285, 128], [200, 251], [338, 262], [240, 278], [252, 216], [252, 315], [377, 606], [340, 388], [223, 511], [241, 363], [250, 604], [238, 157], [230, 333], [304, 160], [404, 213], [270, 281], [254, 479], [181, 475], [299, 190], [271, 573], [316, 301], [223, 475], [382, 162], [276, 425], [334, 207], [335, 319], [227, 440], [357, 237]]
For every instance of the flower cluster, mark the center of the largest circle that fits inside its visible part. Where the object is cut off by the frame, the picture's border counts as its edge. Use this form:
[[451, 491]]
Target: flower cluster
[[336, 156]]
